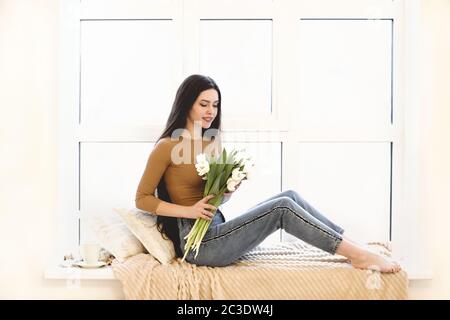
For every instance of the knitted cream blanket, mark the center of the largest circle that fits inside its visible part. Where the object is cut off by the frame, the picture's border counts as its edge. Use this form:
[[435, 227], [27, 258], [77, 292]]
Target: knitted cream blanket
[[288, 270]]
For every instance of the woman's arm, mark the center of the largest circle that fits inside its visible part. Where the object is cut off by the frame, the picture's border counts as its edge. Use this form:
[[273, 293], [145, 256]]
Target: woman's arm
[[201, 209], [157, 163], [172, 210]]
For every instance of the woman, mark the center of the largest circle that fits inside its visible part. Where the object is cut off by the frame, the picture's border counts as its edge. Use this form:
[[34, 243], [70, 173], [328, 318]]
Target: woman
[[171, 188]]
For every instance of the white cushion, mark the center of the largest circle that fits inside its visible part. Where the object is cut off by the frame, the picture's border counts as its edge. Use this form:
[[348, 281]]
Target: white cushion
[[113, 235], [143, 226]]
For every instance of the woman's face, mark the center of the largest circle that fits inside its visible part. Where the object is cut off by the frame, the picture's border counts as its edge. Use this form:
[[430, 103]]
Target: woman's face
[[205, 109]]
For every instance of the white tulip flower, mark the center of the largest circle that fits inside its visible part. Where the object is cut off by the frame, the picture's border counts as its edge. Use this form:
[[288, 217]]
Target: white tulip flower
[[249, 175], [202, 166], [248, 167], [241, 155], [237, 175], [231, 184], [201, 157]]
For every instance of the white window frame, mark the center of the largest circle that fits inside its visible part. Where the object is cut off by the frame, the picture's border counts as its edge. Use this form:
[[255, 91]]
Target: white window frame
[[285, 14]]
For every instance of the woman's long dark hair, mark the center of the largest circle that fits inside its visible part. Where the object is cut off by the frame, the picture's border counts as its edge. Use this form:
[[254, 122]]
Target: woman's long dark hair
[[186, 95]]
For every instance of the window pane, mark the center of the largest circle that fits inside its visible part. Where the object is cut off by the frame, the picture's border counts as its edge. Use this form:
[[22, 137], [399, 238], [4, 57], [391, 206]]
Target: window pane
[[350, 184], [127, 70], [110, 174], [237, 54], [345, 71]]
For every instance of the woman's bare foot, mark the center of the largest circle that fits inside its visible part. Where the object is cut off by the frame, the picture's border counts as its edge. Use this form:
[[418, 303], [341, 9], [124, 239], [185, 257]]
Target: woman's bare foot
[[374, 261], [363, 258]]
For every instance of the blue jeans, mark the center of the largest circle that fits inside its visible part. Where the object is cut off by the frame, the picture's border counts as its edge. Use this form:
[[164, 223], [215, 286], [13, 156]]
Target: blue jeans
[[225, 242]]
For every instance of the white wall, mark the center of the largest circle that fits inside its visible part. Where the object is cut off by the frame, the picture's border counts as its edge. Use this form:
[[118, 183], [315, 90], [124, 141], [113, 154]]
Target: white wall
[[28, 188], [435, 145]]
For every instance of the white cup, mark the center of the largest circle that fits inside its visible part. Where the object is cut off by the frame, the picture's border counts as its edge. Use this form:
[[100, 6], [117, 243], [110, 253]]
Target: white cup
[[90, 252]]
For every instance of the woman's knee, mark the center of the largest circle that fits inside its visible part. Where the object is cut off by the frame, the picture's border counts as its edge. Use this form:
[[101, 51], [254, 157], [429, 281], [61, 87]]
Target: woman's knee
[[292, 205], [286, 201], [291, 194]]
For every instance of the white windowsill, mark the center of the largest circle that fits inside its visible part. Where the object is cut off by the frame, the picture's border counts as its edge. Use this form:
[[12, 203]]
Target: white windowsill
[[416, 273], [420, 276], [65, 273]]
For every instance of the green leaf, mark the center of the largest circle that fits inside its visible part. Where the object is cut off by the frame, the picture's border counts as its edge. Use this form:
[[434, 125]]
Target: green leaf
[[220, 159], [228, 171], [224, 155], [211, 175], [216, 185]]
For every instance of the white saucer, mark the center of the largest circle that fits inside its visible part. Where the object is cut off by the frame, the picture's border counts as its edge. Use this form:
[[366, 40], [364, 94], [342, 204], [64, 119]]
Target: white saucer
[[83, 264]]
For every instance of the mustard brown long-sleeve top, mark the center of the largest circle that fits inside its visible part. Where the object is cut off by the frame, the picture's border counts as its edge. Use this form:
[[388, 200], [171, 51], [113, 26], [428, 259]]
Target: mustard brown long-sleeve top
[[174, 161]]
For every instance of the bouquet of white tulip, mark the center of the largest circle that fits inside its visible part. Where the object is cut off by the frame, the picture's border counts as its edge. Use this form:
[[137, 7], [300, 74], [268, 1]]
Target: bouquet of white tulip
[[222, 175]]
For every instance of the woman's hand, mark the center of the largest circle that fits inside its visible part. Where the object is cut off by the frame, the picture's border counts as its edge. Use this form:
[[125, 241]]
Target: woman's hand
[[199, 210]]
